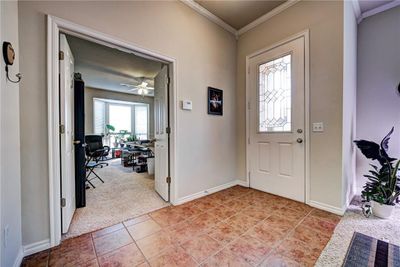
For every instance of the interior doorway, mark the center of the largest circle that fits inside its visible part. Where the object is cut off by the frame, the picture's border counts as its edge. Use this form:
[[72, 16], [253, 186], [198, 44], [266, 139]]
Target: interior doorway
[[151, 128], [277, 127]]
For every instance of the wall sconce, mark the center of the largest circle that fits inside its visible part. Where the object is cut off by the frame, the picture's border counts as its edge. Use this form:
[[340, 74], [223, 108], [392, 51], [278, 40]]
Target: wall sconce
[[9, 57]]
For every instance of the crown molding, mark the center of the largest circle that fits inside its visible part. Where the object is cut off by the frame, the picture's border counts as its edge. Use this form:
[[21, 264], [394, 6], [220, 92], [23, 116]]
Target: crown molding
[[267, 16], [202, 11], [379, 9]]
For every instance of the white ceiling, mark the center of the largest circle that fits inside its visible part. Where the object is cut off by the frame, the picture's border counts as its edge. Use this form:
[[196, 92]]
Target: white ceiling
[[107, 68], [239, 13]]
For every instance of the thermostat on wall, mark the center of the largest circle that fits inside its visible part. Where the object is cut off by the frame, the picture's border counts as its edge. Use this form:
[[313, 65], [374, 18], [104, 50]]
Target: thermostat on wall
[[187, 105]]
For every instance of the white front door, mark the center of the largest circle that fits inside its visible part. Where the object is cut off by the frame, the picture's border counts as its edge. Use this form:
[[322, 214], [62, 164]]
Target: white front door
[[67, 138], [161, 135], [276, 121]]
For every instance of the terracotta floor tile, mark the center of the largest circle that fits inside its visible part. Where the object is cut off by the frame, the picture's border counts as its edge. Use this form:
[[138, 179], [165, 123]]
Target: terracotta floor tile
[[266, 234], [107, 230], [325, 216], [225, 258], [137, 220], [290, 214], [184, 231], [110, 242], [257, 228], [250, 249], [257, 212], [318, 224], [201, 247], [298, 251], [224, 233], [222, 212], [174, 256], [205, 221], [279, 224], [40, 259], [166, 217], [143, 229], [154, 244], [128, 255], [313, 238], [277, 260], [237, 205], [241, 222], [73, 251]]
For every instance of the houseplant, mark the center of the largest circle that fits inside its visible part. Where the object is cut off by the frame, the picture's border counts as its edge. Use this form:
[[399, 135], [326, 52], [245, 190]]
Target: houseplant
[[383, 187]]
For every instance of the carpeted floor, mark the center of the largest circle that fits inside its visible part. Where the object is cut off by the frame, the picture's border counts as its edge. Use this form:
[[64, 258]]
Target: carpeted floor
[[125, 194], [353, 220]]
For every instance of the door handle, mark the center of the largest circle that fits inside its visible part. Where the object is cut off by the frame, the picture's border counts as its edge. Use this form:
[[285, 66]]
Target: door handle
[[299, 140], [76, 142]]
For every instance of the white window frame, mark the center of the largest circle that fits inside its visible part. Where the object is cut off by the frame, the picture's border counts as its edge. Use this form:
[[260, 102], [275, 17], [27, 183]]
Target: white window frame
[[132, 106]]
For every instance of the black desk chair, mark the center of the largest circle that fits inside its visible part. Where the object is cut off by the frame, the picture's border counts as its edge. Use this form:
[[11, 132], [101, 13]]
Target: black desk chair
[[95, 142], [95, 153]]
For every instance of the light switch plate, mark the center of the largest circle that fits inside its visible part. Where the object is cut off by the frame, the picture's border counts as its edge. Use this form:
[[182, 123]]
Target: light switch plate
[[318, 126], [187, 105]]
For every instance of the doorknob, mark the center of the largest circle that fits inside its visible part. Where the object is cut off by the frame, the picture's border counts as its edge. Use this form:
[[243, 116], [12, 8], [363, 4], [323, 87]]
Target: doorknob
[[299, 130], [76, 142], [299, 140]]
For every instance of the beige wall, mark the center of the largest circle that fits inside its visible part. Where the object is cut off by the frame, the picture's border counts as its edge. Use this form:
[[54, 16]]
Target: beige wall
[[10, 175], [91, 93], [378, 102], [324, 19], [205, 55]]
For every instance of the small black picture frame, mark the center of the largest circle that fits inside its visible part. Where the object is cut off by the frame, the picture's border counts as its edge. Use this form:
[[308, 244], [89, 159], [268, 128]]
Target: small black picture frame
[[215, 101]]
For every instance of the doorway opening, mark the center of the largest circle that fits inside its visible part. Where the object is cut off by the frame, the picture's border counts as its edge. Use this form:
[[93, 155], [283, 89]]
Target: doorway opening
[[112, 125]]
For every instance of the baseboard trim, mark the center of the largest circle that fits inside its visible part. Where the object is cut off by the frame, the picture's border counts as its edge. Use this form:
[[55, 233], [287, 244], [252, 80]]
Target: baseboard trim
[[20, 257], [36, 247], [242, 183], [326, 207], [206, 192]]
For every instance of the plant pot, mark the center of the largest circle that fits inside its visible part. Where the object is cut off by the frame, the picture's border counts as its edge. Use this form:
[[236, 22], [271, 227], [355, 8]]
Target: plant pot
[[382, 210]]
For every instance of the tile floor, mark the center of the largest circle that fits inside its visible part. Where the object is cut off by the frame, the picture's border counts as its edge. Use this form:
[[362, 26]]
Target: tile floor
[[234, 227]]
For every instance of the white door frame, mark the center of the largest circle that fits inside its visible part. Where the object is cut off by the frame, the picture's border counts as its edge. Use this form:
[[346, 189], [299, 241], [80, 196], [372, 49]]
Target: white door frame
[[304, 34], [54, 27]]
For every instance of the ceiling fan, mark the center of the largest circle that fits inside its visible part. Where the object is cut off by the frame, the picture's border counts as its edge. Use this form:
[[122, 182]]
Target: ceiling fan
[[142, 87]]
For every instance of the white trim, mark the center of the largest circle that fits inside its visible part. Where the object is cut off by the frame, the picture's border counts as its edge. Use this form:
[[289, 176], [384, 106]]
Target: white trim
[[305, 34], [36, 247], [242, 182], [267, 16], [54, 26], [204, 12], [326, 207], [378, 9], [20, 257], [356, 8], [203, 193]]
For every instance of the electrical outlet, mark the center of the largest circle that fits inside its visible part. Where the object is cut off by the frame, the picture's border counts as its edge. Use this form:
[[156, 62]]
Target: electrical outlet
[[318, 126], [6, 233]]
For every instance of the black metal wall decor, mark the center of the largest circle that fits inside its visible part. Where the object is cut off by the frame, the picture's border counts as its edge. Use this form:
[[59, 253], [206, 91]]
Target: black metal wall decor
[[9, 57]]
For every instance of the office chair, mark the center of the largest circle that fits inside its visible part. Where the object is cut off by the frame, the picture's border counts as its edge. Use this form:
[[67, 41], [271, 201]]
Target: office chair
[[95, 153]]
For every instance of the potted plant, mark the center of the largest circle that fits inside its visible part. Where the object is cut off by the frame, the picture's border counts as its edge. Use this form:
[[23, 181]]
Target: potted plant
[[382, 188]]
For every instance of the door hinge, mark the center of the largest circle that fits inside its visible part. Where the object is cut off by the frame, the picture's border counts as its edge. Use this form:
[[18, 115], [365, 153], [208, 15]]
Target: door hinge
[[168, 80], [168, 130], [249, 175], [248, 70], [248, 140], [63, 202], [248, 105], [62, 129], [61, 55], [168, 180]]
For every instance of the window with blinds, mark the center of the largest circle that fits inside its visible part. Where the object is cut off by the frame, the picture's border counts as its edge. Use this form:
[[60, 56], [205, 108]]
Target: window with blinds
[[99, 116]]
